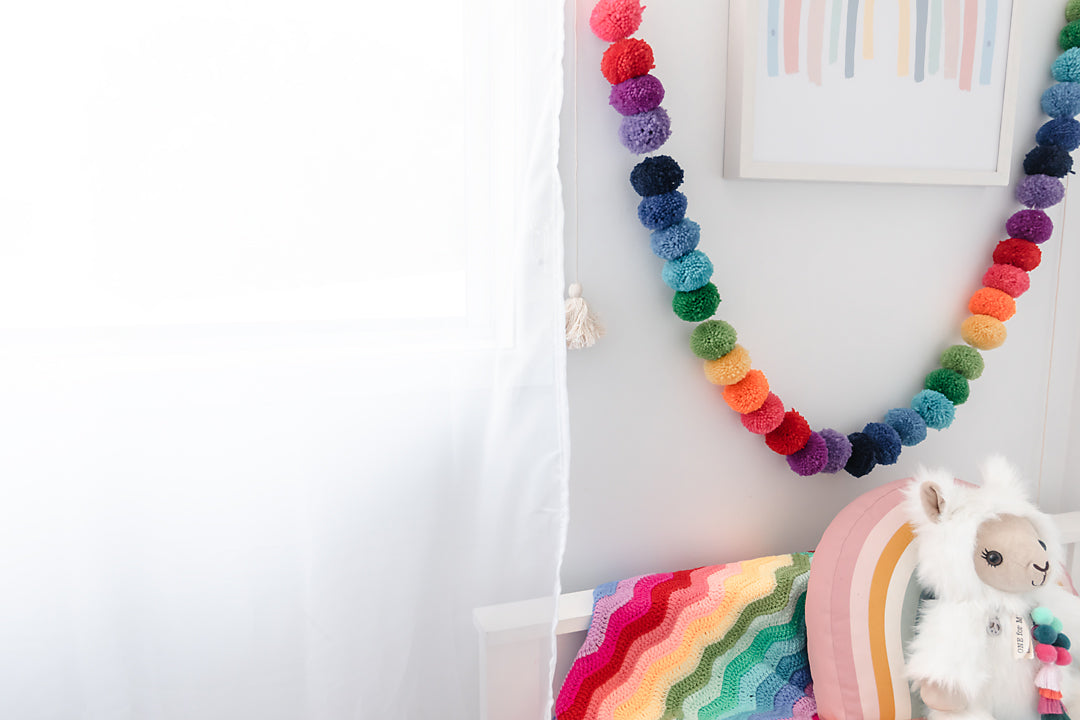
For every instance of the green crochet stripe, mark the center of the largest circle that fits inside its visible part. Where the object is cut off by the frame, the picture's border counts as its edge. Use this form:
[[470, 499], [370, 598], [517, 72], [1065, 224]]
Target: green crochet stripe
[[785, 578]]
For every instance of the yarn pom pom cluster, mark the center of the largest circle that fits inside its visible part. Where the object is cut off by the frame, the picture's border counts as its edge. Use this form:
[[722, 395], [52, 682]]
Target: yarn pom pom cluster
[[637, 95]]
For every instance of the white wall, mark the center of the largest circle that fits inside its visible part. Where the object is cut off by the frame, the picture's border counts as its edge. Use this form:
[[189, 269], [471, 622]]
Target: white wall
[[663, 474]]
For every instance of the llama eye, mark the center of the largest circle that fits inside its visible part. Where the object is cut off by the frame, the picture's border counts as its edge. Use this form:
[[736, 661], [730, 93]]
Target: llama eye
[[1043, 544], [992, 557]]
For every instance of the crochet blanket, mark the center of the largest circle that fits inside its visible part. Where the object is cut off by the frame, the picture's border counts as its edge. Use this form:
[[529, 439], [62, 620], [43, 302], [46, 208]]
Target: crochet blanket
[[725, 641]]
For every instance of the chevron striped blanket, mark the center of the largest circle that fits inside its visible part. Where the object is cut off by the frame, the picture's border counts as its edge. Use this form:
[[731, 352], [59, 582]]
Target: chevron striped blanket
[[725, 641]]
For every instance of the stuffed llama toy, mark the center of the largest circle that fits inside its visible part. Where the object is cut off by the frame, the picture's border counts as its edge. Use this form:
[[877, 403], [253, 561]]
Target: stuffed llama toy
[[990, 559]]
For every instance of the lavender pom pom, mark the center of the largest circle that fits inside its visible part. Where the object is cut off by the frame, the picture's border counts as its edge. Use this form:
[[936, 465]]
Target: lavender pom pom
[[935, 409], [886, 442], [908, 424], [1040, 191], [690, 272], [1067, 66], [1062, 100], [637, 95], [1033, 225], [1063, 132], [656, 176], [839, 450], [675, 240], [660, 211], [812, 458], [645, 132]]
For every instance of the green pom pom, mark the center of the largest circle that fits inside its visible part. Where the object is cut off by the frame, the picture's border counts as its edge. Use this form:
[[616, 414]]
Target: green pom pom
[[949, 383], [713, 339], [696, 305], [1042, 616], [1072, 10], [964, 359], [1070, 35]]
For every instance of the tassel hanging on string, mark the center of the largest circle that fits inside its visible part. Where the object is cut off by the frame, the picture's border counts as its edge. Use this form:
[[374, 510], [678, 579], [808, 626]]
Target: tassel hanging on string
[[583, 328]]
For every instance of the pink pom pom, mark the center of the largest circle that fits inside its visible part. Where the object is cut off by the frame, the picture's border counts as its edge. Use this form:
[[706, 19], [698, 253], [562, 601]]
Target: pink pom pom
[[1063, 656], [1046, 653], [1008, 279], [613, 20], [766, 418]]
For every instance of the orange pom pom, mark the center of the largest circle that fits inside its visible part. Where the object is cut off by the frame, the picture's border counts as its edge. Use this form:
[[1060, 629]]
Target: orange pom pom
[[730, 368], [748, 394], [626, 59], [993, 302], [983, 332]]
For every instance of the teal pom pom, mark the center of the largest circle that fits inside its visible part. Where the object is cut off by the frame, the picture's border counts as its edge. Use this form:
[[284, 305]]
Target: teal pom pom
[[935, 409], [964, 359], [713, 339], [908, 424], [1046, 634], [1063, 641], [1042, 616], [689, 272], [949, 383], [1056, 624], [1067, 66]]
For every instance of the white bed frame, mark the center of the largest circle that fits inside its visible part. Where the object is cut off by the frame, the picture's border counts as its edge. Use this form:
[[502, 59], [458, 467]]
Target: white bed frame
[[515, 681]]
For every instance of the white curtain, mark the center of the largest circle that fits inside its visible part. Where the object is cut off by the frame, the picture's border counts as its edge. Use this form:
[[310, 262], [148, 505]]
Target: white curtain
[[282, 375]]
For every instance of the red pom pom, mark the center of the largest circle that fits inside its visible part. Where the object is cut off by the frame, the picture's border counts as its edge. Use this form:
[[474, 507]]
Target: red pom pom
[[791, 436], [626, 59], [1063, 656], [766, 418], [1046, 653], [1008, 279], [1023, 254], [613, 20]]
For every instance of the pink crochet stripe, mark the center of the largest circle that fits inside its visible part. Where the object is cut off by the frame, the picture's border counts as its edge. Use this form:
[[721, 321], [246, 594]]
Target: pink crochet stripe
[[607, 605], [586, 665], [703, 595]]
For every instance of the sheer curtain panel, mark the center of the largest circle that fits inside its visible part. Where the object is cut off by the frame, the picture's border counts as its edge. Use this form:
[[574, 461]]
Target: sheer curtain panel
[[282, 370]]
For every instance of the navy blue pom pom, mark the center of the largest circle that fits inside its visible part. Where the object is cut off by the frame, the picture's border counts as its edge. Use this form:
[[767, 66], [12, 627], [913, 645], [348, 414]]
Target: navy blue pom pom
[[656, 176], [886, 442], [1063, 132], [660, 211], [862, 459], [1048, 160]]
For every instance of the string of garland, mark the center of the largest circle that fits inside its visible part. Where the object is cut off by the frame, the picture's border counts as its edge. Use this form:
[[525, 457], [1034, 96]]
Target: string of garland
[[637, 96]]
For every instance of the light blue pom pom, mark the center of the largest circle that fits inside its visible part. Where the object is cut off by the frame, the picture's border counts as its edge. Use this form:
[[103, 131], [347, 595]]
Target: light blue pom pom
[[1042, 616], [1062, 100], [689, 272], [934, 408], [908, 424], [676, 240], [1067, 66], [1057, 624]]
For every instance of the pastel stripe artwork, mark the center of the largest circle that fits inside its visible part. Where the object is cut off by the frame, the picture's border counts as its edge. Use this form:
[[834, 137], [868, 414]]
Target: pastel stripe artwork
[[947, 40], [719, 641]]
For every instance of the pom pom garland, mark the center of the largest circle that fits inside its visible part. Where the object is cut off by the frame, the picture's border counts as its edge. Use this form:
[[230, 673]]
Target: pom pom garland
[[656, 176], [613, 20], [645, 132], [636, 95], [863, 455], [729, 369], [839, 450], [886, 442], [1061, 132], [983, 332], [660, 211], [949, 383], [992, 302], [1023, 254], [908, 424], [766, 418], [1008, 279], [676, 240], [748, 394], [811, 459], [791, 436], [1040, 191], [626, 59], [934, 408], [1048, 160], [713, 339], [689, 272], [1069, 37], [697, 305], [964, 359], [1033, 225]]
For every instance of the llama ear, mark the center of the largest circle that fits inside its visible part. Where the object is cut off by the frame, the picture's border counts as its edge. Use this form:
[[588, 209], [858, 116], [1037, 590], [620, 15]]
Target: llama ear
[[999, 474], [933, 502]]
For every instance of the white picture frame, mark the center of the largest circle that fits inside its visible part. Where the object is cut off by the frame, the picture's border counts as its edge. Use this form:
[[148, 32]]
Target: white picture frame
[[781, 126]]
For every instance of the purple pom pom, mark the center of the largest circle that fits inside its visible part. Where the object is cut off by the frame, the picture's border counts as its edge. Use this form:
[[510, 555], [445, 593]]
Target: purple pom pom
[[812, 458], [645, 132], [675, 240], [660, 211], [637, 95], [1040, 191], [839, 450], [1033, 225]]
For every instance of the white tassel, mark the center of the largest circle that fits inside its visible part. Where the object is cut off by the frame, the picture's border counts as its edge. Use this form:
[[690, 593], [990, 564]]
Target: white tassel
[[583, 328]]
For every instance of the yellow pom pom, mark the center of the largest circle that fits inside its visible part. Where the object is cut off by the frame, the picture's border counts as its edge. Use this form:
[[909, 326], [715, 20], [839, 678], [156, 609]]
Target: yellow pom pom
[[983, 332], [730, 368]]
